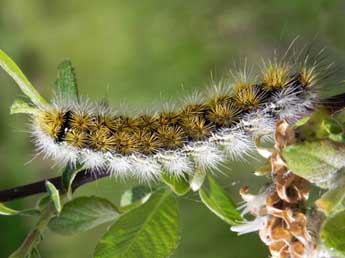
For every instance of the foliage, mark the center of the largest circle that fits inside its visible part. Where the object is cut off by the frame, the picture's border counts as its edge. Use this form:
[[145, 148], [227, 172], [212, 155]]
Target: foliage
[[319, 158], [216, 199], [82, 214], [152, 230]]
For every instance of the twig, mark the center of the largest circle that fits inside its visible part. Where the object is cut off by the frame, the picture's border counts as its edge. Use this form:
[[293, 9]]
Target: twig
[[82, 178], [335, 103]]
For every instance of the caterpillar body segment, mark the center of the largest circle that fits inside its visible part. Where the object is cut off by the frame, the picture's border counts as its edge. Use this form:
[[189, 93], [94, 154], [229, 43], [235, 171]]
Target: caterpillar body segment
[[202, 134]]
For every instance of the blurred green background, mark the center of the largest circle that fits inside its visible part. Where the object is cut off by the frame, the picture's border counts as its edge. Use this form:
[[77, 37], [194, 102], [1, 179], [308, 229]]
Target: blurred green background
[[144, 53]]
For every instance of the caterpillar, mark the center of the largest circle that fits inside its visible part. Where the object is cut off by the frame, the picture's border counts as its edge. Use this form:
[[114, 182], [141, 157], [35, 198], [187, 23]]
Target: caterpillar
[[201, 133]]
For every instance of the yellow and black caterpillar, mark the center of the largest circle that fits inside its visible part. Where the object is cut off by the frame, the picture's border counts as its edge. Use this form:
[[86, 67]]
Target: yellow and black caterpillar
[[201, 133]]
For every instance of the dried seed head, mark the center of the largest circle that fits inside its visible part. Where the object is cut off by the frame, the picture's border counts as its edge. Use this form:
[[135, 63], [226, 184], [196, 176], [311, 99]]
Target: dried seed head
[[285, 226]]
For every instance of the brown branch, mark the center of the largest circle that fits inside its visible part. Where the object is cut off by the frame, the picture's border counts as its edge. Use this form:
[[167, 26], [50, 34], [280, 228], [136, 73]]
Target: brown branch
[[82, 178], [335, 103]]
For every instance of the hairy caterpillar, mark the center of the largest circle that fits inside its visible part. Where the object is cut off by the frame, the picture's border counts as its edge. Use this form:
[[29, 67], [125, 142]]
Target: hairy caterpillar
[[202, 133]]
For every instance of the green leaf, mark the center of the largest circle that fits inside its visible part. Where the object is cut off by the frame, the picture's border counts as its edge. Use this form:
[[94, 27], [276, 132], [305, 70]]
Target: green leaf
[[320, 126], [317, 161], [82, 214], [19, 106], [317, 127], [334, 199], [197, 179], [6, 211], [54, 196], [264, 170], [333, 129], [18, 76], [150, 231], [43, 202], [179, 185], [134, 197], [34, 253], [340, 116], [219, 202], [333, 233], [66, 84], [68, 175], [302, 121]]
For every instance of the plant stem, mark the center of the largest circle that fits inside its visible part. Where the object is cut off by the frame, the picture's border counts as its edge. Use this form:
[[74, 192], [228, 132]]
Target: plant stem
[[335, 103], [81, 178], [34, 237]]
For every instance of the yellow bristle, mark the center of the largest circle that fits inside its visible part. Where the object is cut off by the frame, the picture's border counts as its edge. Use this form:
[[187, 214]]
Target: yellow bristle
[[102, 139], [223, 114], [128, 124], [307, 76], [167, 118], [80, 121], [170, 137], [110, 121], [148, 122], [76, 138], [114, 123], [190, 114], [193, 109], [101, 121], [119, 123], [125, 143], [221, 99], [197, 128], [51, 122], [149, 143], [275, 76], [248, 96]]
